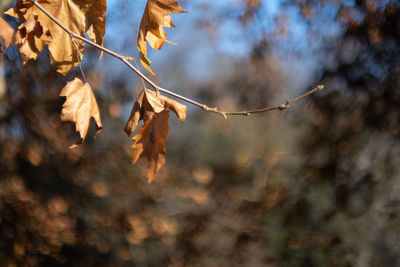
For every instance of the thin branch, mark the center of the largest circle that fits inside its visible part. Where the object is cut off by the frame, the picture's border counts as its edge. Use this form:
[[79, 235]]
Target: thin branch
[[280, 107], [166, 91]]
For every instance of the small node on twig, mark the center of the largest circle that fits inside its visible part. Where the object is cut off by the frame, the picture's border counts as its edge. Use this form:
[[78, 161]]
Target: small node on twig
[[248, 114], [320, 87], [129, 58], [282, 107]]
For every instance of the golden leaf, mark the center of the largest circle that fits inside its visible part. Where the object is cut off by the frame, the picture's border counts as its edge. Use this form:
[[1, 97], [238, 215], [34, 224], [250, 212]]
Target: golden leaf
[[80, 106], [155, 17]]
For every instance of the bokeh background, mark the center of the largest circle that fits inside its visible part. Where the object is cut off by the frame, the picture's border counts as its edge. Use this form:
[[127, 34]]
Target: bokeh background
[[315, 185]]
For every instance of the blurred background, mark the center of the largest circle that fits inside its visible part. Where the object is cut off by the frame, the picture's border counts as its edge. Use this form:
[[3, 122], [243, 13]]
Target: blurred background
[[315, 185]]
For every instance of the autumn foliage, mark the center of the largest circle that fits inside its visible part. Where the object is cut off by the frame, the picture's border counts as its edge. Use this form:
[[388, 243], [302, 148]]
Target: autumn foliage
[[155, 17], [38, 30]]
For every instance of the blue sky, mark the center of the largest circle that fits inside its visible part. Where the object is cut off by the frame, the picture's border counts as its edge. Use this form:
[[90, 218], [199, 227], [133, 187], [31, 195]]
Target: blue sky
[[301, 53]]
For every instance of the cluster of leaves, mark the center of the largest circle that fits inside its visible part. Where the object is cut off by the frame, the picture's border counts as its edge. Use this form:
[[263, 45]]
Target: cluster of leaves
[[38, 30]]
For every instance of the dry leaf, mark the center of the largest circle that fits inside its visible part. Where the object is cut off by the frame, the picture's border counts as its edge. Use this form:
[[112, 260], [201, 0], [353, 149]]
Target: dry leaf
[[31, 38], [79, 16], [154, 110], [155, 17], [141, 110], [149, 103], [80, 106], [160, 102], [149, 143], [6, 32], [96, 20]]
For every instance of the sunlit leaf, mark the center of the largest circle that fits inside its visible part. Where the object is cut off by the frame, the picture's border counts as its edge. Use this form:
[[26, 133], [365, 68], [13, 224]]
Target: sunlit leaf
[[155, 17], [80, 106], [6, 32]]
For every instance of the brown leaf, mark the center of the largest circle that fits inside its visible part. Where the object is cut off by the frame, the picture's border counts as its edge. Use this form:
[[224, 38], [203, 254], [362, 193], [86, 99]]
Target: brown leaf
[[160, 102], [149, 143], [80, 106], [31, 38], [96, 20], [154, 110], [6, 32], [155, 17], [141, 110], [149, 103], [79, 16]]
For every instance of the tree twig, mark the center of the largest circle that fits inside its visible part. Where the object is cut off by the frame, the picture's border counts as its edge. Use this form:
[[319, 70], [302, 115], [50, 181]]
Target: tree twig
[[279, 107], [125, 60]]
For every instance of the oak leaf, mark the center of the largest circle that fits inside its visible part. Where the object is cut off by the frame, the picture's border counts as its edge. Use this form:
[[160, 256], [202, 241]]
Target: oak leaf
[[79, 16], [155, 17], [154, 110], [79, 107], [6, 32]]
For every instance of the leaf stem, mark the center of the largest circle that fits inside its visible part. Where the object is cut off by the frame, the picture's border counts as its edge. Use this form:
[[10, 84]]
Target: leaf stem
[[125, 60]]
